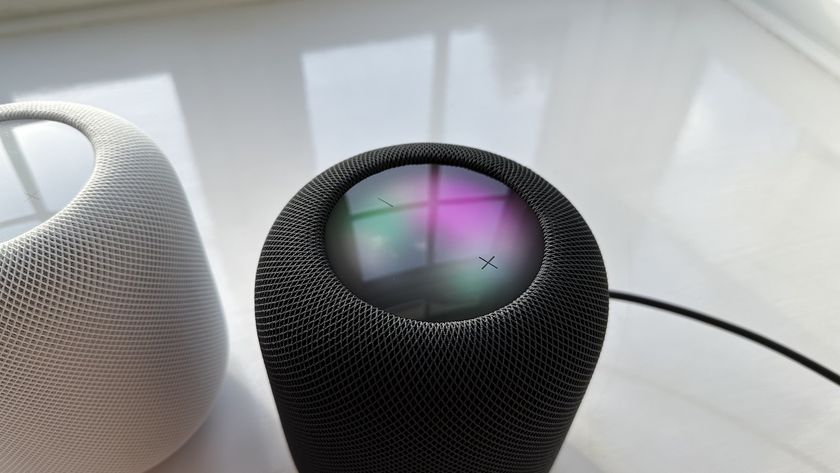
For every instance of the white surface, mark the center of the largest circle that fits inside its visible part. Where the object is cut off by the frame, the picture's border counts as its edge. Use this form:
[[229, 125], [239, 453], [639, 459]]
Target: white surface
[[704, 152], [21, 16], [810, 26], [817, 19], [17, 8]]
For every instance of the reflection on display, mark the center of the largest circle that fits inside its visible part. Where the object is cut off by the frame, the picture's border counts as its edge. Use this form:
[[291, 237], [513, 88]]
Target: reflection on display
[[43, 165], [433, 242]]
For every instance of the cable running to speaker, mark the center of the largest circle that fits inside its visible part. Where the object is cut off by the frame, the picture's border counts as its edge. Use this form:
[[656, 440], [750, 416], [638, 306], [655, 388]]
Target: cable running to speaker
[[731, 328]]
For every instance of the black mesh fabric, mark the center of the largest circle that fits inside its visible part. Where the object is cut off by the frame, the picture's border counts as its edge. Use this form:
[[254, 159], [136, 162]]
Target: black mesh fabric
[[362, 390]]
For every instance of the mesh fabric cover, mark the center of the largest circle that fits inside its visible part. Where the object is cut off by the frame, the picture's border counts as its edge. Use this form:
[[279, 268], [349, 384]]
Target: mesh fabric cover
[[361, 390], [112, 341]]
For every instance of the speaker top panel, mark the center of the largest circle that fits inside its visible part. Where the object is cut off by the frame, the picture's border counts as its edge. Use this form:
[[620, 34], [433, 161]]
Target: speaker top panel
[[434, 242], [43, 165]]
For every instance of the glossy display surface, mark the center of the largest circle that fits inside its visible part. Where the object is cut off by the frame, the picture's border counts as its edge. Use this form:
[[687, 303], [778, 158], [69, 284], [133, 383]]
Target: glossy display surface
[[43, 165], [433, 242]]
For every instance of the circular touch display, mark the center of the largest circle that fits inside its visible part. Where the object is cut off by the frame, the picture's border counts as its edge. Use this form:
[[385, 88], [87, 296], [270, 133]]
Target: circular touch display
[[434, 242], [43, 166]]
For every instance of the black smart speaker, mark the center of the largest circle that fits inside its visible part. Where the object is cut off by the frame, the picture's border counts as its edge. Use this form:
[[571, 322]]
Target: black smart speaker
[[429, 308]]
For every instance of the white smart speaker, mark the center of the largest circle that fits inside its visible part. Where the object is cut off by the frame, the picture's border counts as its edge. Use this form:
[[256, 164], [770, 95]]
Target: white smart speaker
[[112, 338]]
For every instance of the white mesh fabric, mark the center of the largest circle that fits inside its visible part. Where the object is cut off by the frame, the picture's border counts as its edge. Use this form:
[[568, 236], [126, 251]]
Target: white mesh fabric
[[112, 340]]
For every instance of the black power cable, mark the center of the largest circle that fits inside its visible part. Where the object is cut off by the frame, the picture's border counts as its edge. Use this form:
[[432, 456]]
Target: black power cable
[[748, 334]]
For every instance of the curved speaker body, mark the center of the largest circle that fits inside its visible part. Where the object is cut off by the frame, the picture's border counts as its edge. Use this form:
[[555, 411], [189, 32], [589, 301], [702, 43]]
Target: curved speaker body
[[112, 340], [412, 353]]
